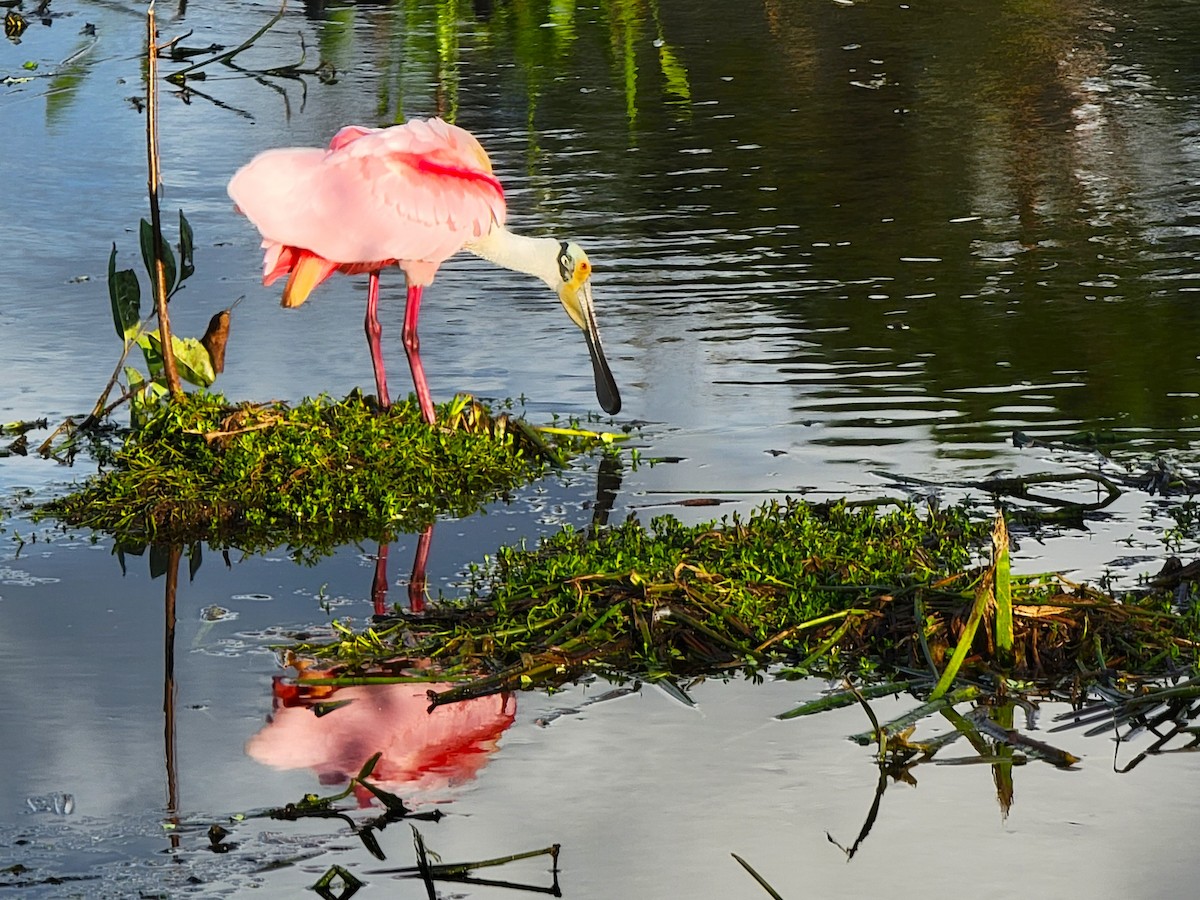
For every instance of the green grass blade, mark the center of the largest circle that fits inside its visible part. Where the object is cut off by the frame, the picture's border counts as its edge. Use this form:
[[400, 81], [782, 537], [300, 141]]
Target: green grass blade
[[1004, 607], [983, 597], [762, 881]]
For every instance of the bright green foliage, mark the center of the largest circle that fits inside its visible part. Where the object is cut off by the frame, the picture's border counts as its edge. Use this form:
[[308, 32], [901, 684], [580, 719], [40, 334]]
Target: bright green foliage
[[314, 475], [828, 588], [124, 292], [192, 358], [748, 580], [674, 599]]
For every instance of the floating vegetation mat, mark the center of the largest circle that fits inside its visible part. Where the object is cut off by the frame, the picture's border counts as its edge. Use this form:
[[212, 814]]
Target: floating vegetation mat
[[320, 473], [829, 589]]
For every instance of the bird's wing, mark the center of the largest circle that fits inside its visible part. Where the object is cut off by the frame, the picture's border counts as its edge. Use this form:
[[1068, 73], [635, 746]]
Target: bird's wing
[[414, 192]]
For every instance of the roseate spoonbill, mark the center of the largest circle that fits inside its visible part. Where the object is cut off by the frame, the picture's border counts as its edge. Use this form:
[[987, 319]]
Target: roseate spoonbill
[[411, 195], [421, 750]]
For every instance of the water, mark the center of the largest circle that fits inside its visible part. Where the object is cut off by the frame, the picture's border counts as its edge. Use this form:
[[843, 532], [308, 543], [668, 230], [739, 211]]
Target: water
[[877, 238]]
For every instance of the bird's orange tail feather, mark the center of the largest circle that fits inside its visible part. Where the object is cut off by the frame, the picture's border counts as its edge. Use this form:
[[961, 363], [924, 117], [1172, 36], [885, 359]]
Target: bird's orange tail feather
[[308, 271]]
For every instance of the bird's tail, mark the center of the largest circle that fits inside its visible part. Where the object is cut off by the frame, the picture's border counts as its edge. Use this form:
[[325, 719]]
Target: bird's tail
[[306, 273]]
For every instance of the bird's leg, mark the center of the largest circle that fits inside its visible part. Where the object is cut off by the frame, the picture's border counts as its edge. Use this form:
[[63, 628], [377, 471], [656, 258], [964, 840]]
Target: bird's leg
[[418, 580], [374, 330], [412, 346], [379, 584]]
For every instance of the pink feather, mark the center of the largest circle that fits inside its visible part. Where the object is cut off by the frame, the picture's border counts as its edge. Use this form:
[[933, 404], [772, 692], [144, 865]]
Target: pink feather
[[413, 194]]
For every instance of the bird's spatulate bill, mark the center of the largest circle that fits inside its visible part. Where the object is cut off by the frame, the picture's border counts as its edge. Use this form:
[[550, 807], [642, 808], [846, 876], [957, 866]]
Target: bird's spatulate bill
[[606, 385]]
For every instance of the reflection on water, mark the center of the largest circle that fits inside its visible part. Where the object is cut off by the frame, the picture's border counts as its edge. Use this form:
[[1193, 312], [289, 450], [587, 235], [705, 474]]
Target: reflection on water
[[334, 731]]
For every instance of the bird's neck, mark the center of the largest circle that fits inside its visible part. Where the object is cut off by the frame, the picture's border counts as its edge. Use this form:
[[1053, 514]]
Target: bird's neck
[[533, 256]]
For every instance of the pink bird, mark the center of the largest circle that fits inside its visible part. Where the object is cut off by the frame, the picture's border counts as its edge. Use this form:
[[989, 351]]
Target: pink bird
[[411, 195], [422, 751]]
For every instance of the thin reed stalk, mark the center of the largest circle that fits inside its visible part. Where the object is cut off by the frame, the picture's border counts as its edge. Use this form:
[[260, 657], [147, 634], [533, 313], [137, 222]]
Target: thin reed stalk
[[158, 275]]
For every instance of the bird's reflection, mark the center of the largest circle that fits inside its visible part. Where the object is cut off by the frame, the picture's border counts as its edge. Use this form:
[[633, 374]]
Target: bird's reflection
[[417, 581], [335, 730]]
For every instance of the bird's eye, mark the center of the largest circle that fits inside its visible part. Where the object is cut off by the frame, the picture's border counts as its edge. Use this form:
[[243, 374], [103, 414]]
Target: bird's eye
[[566, 266]]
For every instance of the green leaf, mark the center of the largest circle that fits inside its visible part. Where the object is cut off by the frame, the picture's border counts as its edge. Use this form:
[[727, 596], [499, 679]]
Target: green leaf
[[137, 397], [186, 244], [194, 363], [152, 350], [168, 257], [135, 379], [1004, 605], [985, 595], [191, 358], [125, 295], [368, 767]]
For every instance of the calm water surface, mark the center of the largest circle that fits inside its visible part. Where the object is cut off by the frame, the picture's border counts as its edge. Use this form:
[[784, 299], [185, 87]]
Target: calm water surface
[[833, 241]]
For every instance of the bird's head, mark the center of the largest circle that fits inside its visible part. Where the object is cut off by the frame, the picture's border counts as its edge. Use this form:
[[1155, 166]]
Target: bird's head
[[575, 293], [575, 286]]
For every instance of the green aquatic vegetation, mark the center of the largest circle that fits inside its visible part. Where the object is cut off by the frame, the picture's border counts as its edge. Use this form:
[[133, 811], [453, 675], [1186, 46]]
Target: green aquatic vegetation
[[1187, 524], [675, 599], [320, 473], [748, 580], [828, 588]]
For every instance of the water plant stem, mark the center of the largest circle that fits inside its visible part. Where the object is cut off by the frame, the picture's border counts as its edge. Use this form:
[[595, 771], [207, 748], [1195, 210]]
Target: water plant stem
[[159, 273]]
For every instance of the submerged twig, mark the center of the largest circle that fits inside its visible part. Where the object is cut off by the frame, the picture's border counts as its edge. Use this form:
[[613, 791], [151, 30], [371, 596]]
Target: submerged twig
[[180, 76], [881, 737], [839, 699], [900, 723], [1013, 738], [450, 870]]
